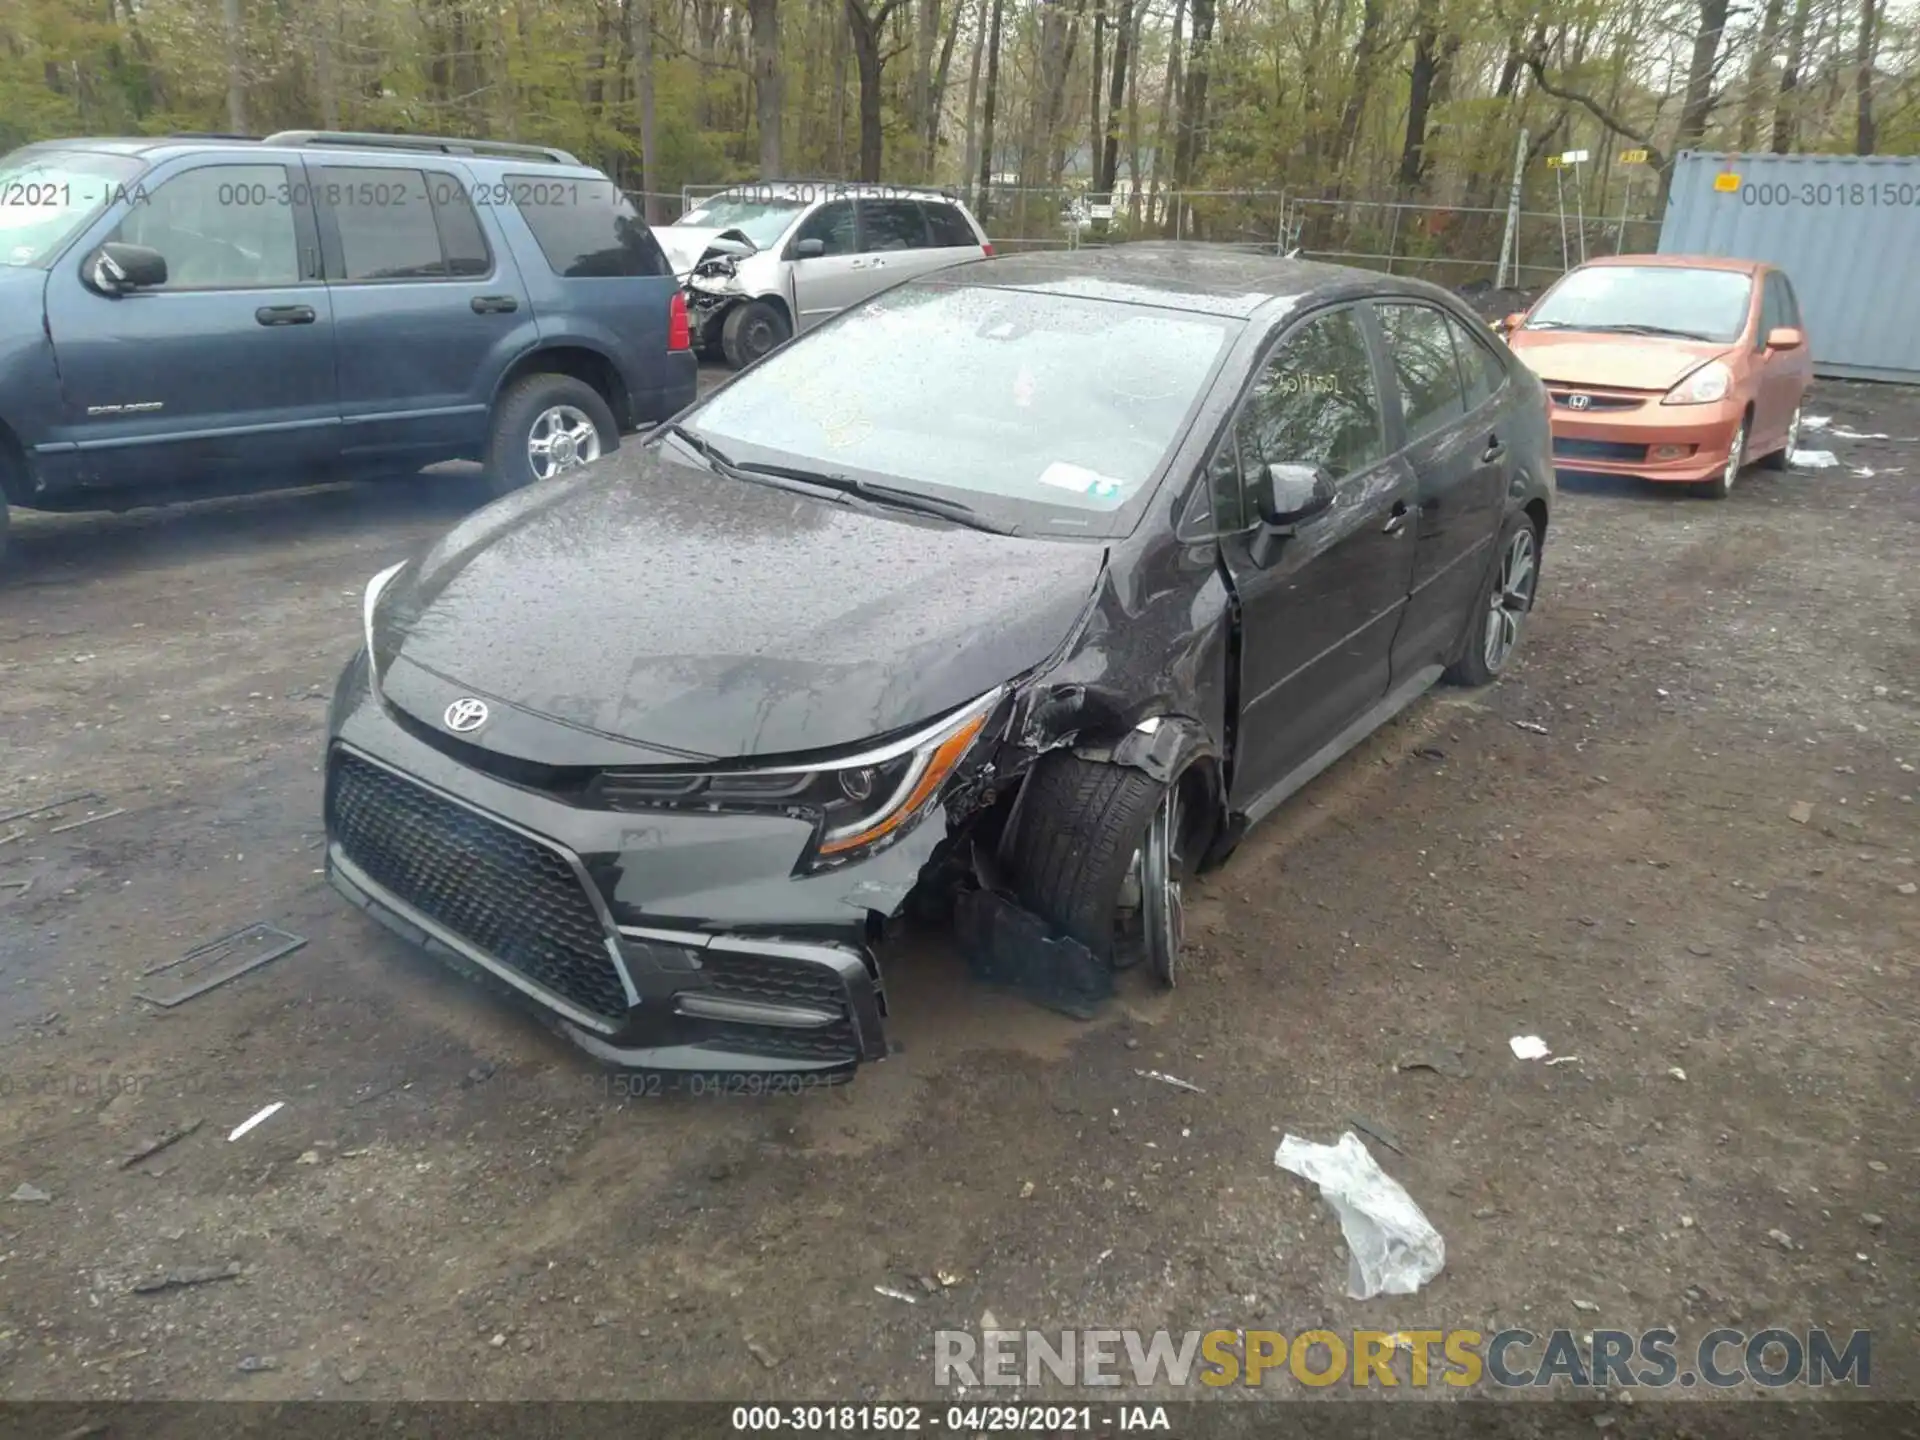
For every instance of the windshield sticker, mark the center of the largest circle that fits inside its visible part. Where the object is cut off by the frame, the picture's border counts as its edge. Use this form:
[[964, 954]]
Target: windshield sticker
[[1063, 475]]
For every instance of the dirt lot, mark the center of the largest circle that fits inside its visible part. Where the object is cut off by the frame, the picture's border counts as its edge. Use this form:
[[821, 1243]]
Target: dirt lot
[[1707, 861]]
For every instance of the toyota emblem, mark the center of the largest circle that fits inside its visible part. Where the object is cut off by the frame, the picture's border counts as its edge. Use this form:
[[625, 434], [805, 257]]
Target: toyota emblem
[[1579, 402], [466, 715]]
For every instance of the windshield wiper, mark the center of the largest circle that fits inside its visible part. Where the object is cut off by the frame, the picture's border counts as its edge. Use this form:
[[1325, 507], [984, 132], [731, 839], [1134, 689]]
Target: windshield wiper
[[705, 448], [880, 494], [1620, 329]]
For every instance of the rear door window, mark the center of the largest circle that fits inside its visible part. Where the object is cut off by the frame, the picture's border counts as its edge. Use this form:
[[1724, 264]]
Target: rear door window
[[892, 225], [385, 221], [1483, 371], [948, 227], [586, 228], [1432, 396]]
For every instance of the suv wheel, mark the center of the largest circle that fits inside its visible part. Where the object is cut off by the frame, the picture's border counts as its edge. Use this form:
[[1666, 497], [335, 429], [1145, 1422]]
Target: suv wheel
[[751, 331], [544, 426], [1493, 629]]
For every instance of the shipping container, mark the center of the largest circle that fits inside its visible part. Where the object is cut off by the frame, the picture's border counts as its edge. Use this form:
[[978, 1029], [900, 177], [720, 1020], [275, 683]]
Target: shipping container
[[1845, 228]]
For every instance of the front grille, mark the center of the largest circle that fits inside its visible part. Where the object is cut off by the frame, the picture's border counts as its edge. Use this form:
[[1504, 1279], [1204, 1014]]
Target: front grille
[[1597, 402], [513, 899], [1570, 449], [776, 980]]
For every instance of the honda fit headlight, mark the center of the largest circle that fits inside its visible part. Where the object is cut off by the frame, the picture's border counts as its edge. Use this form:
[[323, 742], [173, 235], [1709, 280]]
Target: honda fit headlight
[[1712, 381], [857, 805]]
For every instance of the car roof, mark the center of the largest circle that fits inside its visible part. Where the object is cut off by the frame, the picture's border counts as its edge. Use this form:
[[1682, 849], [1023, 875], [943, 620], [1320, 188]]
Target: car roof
[[155, 148], [1204, 278], [1684, 262]]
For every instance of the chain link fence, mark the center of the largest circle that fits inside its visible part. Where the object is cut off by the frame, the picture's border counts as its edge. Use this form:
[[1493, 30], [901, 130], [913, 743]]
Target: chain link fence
[[1452, 245]]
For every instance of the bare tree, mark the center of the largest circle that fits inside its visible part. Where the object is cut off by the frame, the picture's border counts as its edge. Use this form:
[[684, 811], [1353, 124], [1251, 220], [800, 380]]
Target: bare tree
[[1863, 126], [236, 66], [986, 119], [1785, 109], [865, 26], [768, 91]]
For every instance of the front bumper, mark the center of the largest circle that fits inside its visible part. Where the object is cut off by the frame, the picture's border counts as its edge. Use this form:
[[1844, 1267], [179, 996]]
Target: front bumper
[[674, 942], [1631, 433]]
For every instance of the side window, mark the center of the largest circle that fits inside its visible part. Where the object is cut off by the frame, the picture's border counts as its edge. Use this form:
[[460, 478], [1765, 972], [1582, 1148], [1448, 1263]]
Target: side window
[[948, 227], [1789, 302], [1431, 394], [832, 224], [586, 229], [386, 223], [892, 225], [220, 227], [1769, 311], [461, 239], [1483, 370], [1314, 402]]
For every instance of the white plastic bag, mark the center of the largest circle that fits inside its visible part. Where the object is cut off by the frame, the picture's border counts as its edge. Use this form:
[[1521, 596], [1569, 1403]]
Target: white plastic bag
[[1391, 1248]]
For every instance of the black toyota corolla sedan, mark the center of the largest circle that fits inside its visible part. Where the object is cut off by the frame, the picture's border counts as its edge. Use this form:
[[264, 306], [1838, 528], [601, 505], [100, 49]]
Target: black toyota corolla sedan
[[1031, 584]]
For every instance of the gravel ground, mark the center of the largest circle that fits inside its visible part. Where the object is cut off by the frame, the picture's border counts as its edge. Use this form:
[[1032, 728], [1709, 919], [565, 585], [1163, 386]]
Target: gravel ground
[[1705, 866]]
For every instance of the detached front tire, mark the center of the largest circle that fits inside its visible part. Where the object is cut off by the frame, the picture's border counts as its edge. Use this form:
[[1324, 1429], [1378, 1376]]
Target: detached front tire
[[751, 331], [1500, 612], [1101, 851], [545, 425]]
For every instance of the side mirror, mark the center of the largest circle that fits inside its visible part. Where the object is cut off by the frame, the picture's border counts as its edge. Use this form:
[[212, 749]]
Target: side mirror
[[738, 246], [1785, 337], [115, 269], [1514, 321], [1286, 496], [809, 249]]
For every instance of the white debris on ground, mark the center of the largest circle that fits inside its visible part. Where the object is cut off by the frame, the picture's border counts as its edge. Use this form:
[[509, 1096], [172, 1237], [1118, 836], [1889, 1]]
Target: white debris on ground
[[1813, 460], [1392, 1249]]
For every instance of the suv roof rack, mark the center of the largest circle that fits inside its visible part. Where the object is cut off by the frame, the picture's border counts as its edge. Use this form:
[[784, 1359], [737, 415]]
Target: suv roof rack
[[208, 135], [440, 144]]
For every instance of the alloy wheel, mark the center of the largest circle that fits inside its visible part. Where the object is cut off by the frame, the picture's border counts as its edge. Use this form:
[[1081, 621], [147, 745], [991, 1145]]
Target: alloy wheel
[[1511, 599], [1152, 911], [1793, 434], [562, 438], [1736, 456]]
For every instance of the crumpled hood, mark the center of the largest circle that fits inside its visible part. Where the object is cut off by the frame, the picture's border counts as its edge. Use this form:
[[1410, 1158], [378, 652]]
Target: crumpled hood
[[657, 603], [1617, 362], [685, 244]]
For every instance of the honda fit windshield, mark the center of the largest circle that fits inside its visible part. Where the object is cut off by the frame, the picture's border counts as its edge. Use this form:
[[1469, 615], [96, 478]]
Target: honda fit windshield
[[46, 195], [1649, 299], [1038, 411], [762, 221]]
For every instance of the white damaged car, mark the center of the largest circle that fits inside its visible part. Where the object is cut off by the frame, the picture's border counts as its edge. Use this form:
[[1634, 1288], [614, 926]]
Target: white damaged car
[[764, 262]]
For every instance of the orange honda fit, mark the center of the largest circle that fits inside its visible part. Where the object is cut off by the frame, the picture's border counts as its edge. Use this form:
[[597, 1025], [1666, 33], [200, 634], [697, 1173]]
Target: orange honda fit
[[1680, 368]]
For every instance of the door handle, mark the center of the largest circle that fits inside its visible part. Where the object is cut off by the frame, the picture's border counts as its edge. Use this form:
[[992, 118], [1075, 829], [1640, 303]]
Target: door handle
[[858, 265], [879, 264], [1494, 451], [495, 304], [1396, 518], [284, 315]]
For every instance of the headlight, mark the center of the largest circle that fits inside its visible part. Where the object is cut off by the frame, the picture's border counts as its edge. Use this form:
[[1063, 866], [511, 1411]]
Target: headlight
[[856, 805], [368, 604], [1710, 382]]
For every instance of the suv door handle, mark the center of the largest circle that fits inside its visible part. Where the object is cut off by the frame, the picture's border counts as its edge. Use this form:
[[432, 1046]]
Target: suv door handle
[[1494, 451], [1396, 518], [495, 304], [284, 315]]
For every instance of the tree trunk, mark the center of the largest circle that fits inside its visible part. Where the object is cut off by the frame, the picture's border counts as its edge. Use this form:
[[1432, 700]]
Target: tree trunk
[[1096, 132], [970, 161], [768, 91], [640, 32], [1134, 186], [1699, 101], [926, 36], [1169, 97], [936, 110], [1759, 67], [865, 26], [1109, 160], [1783, 107], [1864, 137], [326, 87], [1426, 62], [236, 66], [986, 118], [1358, 92], [841, 30]]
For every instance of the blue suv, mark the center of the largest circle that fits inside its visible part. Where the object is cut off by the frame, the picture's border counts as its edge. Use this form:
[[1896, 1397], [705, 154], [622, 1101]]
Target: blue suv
[[195, 315]]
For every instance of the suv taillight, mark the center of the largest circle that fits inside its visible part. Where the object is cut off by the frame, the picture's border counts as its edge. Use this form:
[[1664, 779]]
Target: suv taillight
[[679, 333], [986, 248]]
